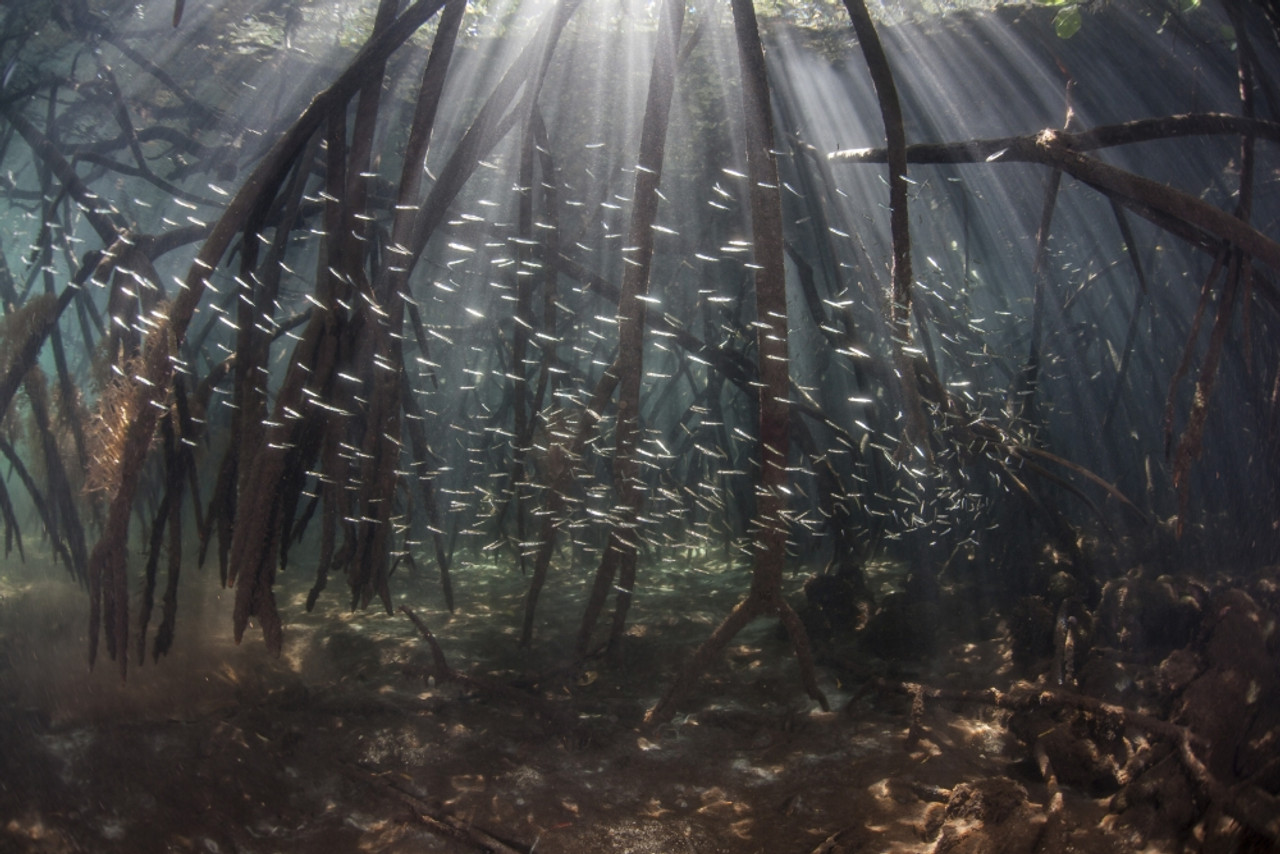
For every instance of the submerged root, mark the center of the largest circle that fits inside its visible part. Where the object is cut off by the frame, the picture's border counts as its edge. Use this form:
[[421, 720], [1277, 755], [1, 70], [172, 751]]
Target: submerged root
[[1200, 752], [108, 429]]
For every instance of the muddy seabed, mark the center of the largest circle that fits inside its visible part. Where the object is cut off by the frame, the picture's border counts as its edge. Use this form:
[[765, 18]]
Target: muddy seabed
[[343, 744]]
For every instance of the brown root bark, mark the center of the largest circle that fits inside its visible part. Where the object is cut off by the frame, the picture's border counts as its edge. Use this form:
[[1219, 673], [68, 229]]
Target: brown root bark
[[774, 410]]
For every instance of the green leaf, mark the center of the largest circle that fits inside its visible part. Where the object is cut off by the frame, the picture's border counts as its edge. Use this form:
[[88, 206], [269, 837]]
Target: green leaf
[[1188, 5], [1052, 2], [1067, 22]]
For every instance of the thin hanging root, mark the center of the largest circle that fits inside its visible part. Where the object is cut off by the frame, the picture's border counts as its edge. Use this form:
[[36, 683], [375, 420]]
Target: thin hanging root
[[620, 556], [164, 634], [246, 211], [168, 517], [1112, 490], [108, 227], [1039, 267], [38, 318], [153, 564], [108, 572], [429, 93], [1189, 446], [1131, 249], [12, 533], [917, 425], [562, 485], [1188, 351], [420, 450], [36, 496]]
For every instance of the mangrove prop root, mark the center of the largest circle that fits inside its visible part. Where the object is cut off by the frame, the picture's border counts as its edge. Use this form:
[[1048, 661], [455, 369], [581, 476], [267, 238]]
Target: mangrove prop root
[[37, 498], [620, 556], [108, 570], [1024, 696], [246, 211], [917, 428], [1139, 273], [1064, 151], [1250, 805], [774, 410], [1247, 803], [1050, 778], [742, 614], [12, 532], [1190, 445]]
